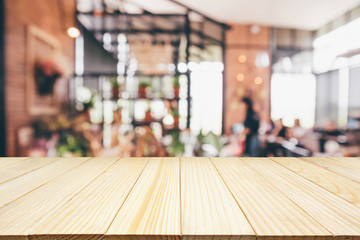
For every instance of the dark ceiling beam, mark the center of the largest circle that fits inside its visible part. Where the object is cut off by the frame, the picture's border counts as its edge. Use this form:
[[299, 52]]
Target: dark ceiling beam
[[145, 11], [136, 31], [203, 35], [224, 25], [133, 14]]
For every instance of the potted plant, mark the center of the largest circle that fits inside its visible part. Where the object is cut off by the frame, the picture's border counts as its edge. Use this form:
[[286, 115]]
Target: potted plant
[[143, 88], [117, 116], [175, 114], [176, 148], [116, 87], [176, 85], [46, 74], [148, 117], [70, 145]]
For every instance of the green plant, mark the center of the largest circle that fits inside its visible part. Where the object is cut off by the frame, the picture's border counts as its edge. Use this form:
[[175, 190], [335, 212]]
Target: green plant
[[144, 84], [44, 127], [176, 148], [209, 138], [90, 104], [114, 82], [176, 82], [175, 113], [71, 144]]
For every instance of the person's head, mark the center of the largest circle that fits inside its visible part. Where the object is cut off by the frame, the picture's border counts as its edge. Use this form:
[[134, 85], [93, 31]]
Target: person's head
[[297, 122], [248, 104], [330, 126], [279, 123]]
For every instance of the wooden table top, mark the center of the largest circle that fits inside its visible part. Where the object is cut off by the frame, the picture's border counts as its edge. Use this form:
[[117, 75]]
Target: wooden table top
[[180, 198]]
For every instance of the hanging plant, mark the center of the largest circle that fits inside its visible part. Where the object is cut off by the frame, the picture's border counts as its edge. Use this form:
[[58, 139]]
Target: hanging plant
[[46, 74], [176, 84]]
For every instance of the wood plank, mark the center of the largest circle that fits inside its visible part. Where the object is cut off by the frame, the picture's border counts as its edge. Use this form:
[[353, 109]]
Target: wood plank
[[66, 237], [17, 187], [337, 184], [23, 167], [275, 216], [218, 237], [335, 166], [152, 208], [14, 237], [208, 208], [352, 161], [5, 162], [140, 237], [340, 217], [18, 217], [93, 209]]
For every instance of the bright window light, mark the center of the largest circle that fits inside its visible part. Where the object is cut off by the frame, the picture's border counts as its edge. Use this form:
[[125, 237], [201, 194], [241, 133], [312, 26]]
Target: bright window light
[[293, 96], [329, 48], [206, 93], [182, 67], [343, 96]]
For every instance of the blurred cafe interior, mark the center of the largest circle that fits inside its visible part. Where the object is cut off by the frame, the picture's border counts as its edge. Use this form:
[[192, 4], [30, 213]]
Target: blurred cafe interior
[[159, 78]]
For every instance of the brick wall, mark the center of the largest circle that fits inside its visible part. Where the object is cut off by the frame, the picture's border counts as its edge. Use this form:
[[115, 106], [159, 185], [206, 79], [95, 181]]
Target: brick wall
[[240, 77], [46, 15]]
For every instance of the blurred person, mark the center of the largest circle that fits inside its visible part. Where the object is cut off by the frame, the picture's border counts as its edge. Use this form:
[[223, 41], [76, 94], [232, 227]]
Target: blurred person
[[235, 143], [297, 131], [251, 124], [278, 134], [329, 133], [280, 131]]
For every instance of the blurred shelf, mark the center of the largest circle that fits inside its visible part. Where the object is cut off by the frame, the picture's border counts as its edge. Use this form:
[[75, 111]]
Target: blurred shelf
[[146, 123], [96, 75], [166, 130], [147, 99]]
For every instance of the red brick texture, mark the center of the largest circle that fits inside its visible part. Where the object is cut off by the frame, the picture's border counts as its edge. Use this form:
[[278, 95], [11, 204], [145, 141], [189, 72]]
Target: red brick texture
[[46, 15], [240, 41]]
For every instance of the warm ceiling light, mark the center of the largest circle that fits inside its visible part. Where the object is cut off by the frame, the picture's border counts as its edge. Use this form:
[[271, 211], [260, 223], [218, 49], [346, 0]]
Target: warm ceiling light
[[240, 77], [258, 80], [242, 58], [73, 32], [255, 29]]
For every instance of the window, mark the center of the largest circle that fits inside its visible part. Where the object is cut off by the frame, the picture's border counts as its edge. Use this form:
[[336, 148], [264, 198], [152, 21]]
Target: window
[[293, 96], [206, 94]]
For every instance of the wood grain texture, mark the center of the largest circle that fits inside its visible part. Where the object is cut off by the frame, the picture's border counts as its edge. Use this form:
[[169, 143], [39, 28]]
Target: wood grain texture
[[5, 162], [275, 216], [141, 237], [337, 184], [207, 206], [152, 208], [180, 198], [18, 217], [302, 238], [352, 161], [23, 167], [93, 209], [338, 167], [218, 237], [66, 237], [14, 237], [17, 187], [338, 216]]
